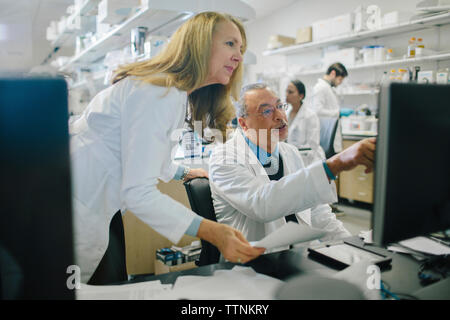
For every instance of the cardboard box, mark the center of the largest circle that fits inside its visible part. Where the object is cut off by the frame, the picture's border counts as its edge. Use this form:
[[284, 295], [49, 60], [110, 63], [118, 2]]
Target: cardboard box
[[278, 41], [161, 268], [304, 35]]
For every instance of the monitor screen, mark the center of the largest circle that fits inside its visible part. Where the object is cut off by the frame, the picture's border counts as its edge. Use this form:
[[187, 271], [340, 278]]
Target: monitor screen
[[412, 162], [35, 194]]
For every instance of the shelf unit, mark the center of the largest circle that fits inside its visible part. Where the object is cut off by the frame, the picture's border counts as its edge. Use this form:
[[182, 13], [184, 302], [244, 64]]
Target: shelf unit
[[413, 25], [434, 57], [160, 17]]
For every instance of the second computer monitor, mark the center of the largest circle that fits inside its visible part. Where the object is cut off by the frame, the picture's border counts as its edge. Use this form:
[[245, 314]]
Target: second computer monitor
[[412, 162]]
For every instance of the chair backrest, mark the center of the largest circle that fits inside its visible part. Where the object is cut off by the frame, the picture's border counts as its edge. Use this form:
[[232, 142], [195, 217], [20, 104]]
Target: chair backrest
[[199, 194], [328, 127]]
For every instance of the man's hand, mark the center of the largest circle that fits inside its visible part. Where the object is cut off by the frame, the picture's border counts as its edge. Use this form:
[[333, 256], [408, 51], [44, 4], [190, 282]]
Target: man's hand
[[230, 242], [360, 153], [196, 173]]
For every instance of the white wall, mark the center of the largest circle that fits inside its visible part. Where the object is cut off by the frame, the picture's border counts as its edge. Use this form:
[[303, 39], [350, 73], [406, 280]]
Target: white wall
[[303, 13]]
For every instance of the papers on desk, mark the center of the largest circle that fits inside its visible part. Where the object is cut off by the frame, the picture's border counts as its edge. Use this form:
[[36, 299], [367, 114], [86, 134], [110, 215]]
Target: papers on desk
[[425, 245], [134, 291], [290, 233], [419, 247], [239, 283]]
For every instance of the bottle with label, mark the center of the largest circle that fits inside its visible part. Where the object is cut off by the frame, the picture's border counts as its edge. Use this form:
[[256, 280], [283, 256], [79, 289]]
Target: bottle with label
[[412, 48], [393, 75], [420, 47], [389, 54], [442, 76], [403, 75]]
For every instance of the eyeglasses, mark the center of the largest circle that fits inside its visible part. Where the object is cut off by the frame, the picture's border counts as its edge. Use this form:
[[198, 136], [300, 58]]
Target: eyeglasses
[[268, 111]]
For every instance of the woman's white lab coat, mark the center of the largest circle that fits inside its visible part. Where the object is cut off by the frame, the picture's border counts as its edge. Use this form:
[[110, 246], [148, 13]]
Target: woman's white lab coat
[[326, 104], [119, 147], [246, 199], [304, 132]]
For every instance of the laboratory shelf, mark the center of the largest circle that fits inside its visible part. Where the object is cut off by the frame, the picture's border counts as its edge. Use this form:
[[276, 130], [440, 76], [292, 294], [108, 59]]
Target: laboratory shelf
[[161, 17], [413, 25], [434, 57]]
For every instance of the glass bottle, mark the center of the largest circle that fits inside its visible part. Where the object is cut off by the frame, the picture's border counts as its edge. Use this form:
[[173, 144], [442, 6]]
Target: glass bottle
[[389, 55], [412, 48], [420, 47]]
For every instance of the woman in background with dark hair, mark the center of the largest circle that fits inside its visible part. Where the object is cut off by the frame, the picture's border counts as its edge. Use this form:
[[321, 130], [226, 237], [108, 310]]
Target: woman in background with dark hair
[[304, 125]]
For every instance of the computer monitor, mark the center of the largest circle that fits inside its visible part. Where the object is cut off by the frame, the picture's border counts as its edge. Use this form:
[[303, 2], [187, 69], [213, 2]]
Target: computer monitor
[[412, 162], [36, 245]]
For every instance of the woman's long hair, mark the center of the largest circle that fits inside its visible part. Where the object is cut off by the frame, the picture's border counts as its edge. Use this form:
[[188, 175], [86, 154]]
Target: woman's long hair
[[184, 64]]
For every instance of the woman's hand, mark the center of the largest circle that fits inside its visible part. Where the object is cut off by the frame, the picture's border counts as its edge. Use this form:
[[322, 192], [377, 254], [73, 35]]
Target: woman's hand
[[230, 242], [196, 173]]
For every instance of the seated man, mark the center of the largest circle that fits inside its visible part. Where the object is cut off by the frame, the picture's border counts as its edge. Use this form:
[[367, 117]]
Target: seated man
[[257, 182]]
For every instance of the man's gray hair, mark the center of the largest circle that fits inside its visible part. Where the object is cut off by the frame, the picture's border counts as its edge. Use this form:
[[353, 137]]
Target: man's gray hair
[[241, 107]]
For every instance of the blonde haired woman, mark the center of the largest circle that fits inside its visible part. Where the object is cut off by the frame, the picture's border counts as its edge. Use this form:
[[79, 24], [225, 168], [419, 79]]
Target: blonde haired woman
[[122, 143]]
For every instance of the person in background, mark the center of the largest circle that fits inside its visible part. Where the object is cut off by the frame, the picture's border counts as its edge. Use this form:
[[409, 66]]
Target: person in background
[[325, 101], [258, 183], [122, 143], [304, 125]]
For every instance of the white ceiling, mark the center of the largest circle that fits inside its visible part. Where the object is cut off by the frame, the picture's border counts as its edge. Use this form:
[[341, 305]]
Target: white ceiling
[[23, 25]]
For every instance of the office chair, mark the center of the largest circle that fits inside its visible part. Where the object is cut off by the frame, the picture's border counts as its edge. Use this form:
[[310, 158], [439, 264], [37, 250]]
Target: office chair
[[199, 195], [328, 128], [112, 268]]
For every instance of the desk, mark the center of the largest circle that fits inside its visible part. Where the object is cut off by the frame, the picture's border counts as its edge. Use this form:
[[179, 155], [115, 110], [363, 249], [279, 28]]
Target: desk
[[401, 277]]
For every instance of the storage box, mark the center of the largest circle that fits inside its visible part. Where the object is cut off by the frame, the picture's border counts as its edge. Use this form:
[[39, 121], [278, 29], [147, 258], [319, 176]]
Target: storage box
[[115, 11], [345, 56], [341, 25], [395, 17], [278, 41], [321, 29], [304, 35]]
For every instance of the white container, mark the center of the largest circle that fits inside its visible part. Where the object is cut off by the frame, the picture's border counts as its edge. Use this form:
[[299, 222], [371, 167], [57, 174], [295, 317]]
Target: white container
[[321, 29], [442, 77], [368, 54], [379, 53], [115, 11], [359, 123], [341, 25]]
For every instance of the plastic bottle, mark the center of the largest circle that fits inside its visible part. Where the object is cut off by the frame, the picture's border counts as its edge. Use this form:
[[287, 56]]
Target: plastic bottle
[[393, 75], [411, 48], [420, 47], [403, 75], [389, 54]]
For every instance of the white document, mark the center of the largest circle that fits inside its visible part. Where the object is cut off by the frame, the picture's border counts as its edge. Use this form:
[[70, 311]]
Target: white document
[[290, 233], [134, 291], [240, 283], [426, 245]]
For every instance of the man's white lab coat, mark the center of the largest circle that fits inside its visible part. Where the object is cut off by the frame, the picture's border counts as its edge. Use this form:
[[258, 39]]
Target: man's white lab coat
[[326, 104], [246, 199], [119, 147]]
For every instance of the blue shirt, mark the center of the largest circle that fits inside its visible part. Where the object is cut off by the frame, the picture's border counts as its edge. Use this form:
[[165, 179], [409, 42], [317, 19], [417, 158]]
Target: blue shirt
[[263, 156]]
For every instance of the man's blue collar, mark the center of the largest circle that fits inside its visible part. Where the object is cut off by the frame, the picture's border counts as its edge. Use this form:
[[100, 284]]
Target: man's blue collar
[[263, 156]]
